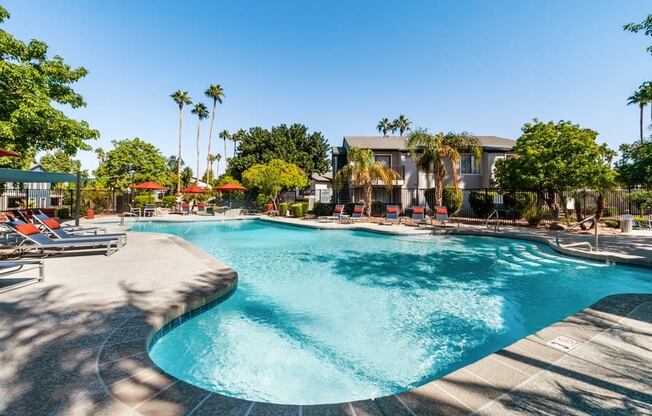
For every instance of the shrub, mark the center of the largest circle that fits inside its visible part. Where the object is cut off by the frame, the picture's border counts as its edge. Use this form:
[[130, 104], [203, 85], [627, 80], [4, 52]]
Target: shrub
[[283, 208], [142, 200], [322, 210], [297, 210], [612, 223], [482, 203], [642, 200], [377, 208], [516, 203], [304, 206], [534, 215], [63, 213], [452, 198], [168, 201]]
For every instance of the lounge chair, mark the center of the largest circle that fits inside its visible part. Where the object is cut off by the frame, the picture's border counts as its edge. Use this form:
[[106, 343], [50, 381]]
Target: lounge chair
[[53, 227], [441, 214], [134, 210], [10, 267], [338, 211], [185, 208], [391, 215], [149, 210], [202, 210], [42, 242], [20, 215], [357, 213], [419, 216], [70, 229]]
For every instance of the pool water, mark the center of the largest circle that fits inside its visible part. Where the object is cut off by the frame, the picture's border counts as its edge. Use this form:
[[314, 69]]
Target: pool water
[[324, 316]]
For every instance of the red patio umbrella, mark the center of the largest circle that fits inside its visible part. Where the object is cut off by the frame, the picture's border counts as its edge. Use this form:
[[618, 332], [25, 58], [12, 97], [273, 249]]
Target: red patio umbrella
[[193, 189], [151, 186], [230, 187]]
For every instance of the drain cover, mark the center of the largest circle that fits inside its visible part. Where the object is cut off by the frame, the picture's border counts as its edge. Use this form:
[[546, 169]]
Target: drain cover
[[563, 343]]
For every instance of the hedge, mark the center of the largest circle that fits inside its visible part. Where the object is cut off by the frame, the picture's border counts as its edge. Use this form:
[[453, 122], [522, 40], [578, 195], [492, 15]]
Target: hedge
[[297, 210], [283, 208]]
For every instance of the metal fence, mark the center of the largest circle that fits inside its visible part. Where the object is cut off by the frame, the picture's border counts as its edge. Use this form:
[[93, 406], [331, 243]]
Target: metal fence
[[478, 203]]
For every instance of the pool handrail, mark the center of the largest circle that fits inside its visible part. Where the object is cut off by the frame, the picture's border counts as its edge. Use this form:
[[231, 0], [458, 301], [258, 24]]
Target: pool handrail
[[581, 243]]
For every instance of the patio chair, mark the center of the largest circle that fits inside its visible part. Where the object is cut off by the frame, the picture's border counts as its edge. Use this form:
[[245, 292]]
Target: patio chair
[[358, 213], [11, 267], [419, 216], [134, 210], [149, 210], [441, 215], [201, 209], [41, 242], [185, 208], [338, 211], [391, 215], [70, 229], [53, 227], [20, 214]]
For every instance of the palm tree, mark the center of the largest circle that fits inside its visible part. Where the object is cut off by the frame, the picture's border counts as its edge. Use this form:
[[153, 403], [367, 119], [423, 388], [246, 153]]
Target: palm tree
[[201, 112], [181, 98], [225, 135], [431, 151], [216, 93], [235, 139], [642, 97], [384, 126], [362, 169], [216, 158], [402, 124]]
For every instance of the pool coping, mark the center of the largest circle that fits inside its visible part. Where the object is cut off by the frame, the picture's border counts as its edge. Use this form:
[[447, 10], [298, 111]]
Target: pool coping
[[440, 396]]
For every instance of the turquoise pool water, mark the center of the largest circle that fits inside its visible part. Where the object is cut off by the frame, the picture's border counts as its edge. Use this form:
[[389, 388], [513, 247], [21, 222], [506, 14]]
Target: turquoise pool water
[[331, 316]]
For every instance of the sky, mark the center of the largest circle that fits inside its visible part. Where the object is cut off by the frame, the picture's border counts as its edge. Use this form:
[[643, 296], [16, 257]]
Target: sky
[[339, 66]]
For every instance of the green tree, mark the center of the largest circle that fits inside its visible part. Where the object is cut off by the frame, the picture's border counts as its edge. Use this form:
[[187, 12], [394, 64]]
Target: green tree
[[215, 93], [431, 151], [384, 126], [201, 112], [133, 161], [635, 165], [401, 124], [553, 157], [182, 99], [33, 88], [60, 161], [645, 26], [641, 97], [293, 144], [363, 170], [271, 178]]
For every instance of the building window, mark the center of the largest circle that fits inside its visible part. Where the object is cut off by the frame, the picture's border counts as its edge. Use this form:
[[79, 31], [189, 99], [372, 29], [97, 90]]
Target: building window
[[470, 165], [386, 159]]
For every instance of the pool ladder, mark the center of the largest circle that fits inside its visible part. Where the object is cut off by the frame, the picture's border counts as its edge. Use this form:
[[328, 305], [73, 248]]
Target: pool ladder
[[593, 247], [497, 224]]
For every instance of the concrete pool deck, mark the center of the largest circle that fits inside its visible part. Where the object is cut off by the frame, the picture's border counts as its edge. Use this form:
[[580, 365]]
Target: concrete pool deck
[[76, 345]]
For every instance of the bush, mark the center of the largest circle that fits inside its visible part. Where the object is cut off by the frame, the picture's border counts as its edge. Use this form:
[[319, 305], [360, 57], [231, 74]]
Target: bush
[[141, 200], [297, 210], [452, 198], [642, 200], [304, 206], [482, 203], [63, 213], [322, 210], [516, 203], [168, 201], [612, 223], [283, 208], [378, 208], [534, 215]]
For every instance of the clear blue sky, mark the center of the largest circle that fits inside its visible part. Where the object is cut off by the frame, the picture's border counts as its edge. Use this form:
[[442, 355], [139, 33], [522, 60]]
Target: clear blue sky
[[339, 66]]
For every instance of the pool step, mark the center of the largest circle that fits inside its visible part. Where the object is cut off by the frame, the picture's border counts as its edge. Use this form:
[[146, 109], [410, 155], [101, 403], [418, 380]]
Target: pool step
[[532, 257]]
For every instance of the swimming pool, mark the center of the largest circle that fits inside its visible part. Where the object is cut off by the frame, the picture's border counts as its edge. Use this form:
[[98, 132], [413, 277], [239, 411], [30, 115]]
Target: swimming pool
[[324, 316]]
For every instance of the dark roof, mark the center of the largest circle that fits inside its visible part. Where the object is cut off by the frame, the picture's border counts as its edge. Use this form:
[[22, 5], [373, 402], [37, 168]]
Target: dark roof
[[400, 143], [326, 177], [31, 176]]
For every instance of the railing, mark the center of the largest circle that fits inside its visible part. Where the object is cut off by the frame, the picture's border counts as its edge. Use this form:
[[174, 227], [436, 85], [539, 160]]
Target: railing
[[581, 243], [497, 224]]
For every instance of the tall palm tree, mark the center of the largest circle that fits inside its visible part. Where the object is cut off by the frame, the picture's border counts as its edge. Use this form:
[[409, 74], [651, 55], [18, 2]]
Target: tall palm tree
[[235, 139], [201, 112], [362, 169], [430, 151], [384, 126], [181, 98], [216, 93], [225, 135], [216, 158], [401, 124]]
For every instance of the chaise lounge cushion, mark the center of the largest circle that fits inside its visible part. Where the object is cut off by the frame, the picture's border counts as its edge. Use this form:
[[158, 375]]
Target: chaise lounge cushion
[[27, 229], [392, 210], [52, 224]]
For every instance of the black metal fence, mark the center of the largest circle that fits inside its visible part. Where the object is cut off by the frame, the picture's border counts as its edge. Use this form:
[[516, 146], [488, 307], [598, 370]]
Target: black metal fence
[[512, 204]]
